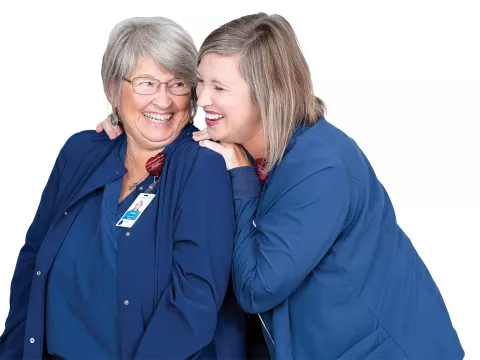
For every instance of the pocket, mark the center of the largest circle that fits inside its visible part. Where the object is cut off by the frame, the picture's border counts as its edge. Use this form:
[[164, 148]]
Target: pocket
[[367, 346], [387, 350]]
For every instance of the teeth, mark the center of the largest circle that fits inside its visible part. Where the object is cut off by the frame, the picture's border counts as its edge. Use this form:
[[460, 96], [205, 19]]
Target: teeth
[[213, 116], [161, 117]]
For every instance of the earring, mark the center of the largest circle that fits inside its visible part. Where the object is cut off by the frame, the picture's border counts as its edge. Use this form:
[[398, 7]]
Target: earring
[[114, 119]]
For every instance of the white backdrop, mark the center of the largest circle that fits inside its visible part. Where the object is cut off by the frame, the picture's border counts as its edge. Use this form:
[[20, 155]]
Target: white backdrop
[[401, 78]]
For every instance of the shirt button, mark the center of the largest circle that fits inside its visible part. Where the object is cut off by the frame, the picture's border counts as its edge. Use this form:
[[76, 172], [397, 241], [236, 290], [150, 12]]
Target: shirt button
[[126, 302], [141, 187], [32, 340], [39, 273], [65, 213], [127, 234]]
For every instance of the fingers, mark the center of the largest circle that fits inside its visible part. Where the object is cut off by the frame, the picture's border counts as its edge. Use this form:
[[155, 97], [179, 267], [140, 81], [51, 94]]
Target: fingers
[[212, 145], [234, 155], [99, 128], [201, 135]]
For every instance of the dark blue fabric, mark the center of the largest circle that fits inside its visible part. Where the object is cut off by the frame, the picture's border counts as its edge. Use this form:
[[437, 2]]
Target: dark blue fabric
[[82, 315], [245, 182], [173, 264], [319, 254]]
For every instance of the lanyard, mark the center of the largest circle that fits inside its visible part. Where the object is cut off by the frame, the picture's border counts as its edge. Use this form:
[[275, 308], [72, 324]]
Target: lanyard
[[152, 185]]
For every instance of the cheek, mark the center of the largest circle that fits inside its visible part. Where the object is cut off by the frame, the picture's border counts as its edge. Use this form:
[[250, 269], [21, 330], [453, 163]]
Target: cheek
[[245, 114], [231, 107], [182, 103], [133, 103], [253, 113]]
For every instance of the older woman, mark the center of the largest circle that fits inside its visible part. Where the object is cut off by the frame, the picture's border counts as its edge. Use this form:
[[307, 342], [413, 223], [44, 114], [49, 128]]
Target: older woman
[[92, 284]]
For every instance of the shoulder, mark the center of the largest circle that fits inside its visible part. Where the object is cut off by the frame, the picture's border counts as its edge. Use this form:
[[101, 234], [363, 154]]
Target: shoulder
[[84, 151], [324, 145], [203, 174], [315, 149], [86, 142], [210, 160], [314, 158], [195, 164], [206, 164], [199, 159]]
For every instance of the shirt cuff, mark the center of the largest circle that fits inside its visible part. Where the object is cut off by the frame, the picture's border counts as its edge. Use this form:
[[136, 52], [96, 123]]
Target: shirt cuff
[[245, 182]]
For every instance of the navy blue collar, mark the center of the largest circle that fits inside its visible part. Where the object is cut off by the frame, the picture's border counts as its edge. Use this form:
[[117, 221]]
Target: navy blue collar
[[113, 166]]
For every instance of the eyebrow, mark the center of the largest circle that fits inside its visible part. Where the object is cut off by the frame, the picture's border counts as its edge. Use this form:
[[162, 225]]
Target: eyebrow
[[153, 77], [213, 80]]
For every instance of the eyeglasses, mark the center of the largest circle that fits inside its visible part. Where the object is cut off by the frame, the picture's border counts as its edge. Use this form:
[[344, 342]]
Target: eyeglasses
[[149, 86]]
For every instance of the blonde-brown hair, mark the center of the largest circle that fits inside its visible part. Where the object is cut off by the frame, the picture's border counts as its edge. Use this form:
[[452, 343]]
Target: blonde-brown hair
[[272, 64]]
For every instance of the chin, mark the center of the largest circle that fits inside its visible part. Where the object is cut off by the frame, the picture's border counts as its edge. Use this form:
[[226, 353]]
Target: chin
[[153, 135], [215, 134]]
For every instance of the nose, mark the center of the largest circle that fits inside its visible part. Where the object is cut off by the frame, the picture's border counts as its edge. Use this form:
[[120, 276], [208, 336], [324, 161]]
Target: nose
[[204, 97], [162, 97]]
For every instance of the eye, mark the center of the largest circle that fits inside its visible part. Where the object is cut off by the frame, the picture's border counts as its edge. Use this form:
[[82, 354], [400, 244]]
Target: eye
[[176, 84], [199, 80], [218, 88], [146, 83]]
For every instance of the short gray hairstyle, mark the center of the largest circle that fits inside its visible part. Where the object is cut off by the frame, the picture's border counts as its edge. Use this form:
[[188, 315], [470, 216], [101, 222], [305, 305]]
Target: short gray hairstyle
[[159, 38]]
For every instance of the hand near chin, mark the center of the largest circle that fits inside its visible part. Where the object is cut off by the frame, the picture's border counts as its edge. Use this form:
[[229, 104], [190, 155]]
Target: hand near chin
[[201, 135], [234, 154], [112, 131]]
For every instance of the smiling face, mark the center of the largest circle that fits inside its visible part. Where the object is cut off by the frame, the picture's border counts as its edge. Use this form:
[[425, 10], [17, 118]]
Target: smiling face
[[231, 114], [152, 122]]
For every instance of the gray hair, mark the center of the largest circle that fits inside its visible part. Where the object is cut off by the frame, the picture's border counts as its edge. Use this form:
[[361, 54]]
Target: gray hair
[[162, 39], [272, 64]]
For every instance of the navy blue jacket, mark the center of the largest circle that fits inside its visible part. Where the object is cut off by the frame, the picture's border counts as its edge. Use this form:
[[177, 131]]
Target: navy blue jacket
[[173, 264], [318, 253]]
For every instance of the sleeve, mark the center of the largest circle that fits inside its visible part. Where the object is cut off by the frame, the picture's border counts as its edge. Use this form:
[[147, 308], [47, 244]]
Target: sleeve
[[186, 316], [275, 255], [12, 340]]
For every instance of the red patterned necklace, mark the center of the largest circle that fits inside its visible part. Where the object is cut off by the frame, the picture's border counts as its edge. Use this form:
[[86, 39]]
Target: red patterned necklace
[[260, 165]]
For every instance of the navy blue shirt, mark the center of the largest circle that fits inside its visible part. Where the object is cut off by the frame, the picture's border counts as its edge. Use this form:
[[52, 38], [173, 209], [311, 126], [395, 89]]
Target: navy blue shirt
[[319, 254], [82, 312], [173, 264]]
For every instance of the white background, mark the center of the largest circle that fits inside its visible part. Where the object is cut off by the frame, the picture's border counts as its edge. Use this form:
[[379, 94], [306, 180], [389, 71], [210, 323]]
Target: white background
[[402, 78]]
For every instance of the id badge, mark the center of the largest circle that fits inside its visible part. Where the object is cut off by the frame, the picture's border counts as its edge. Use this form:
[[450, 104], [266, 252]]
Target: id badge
[[135, 210]]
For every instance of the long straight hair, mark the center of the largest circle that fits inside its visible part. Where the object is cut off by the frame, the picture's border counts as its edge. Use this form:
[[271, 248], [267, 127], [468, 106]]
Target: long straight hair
[[272, 64]]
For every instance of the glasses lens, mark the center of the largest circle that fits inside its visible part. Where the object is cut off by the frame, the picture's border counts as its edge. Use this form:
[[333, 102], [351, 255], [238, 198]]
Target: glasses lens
[[145, 86], [178, 87]]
